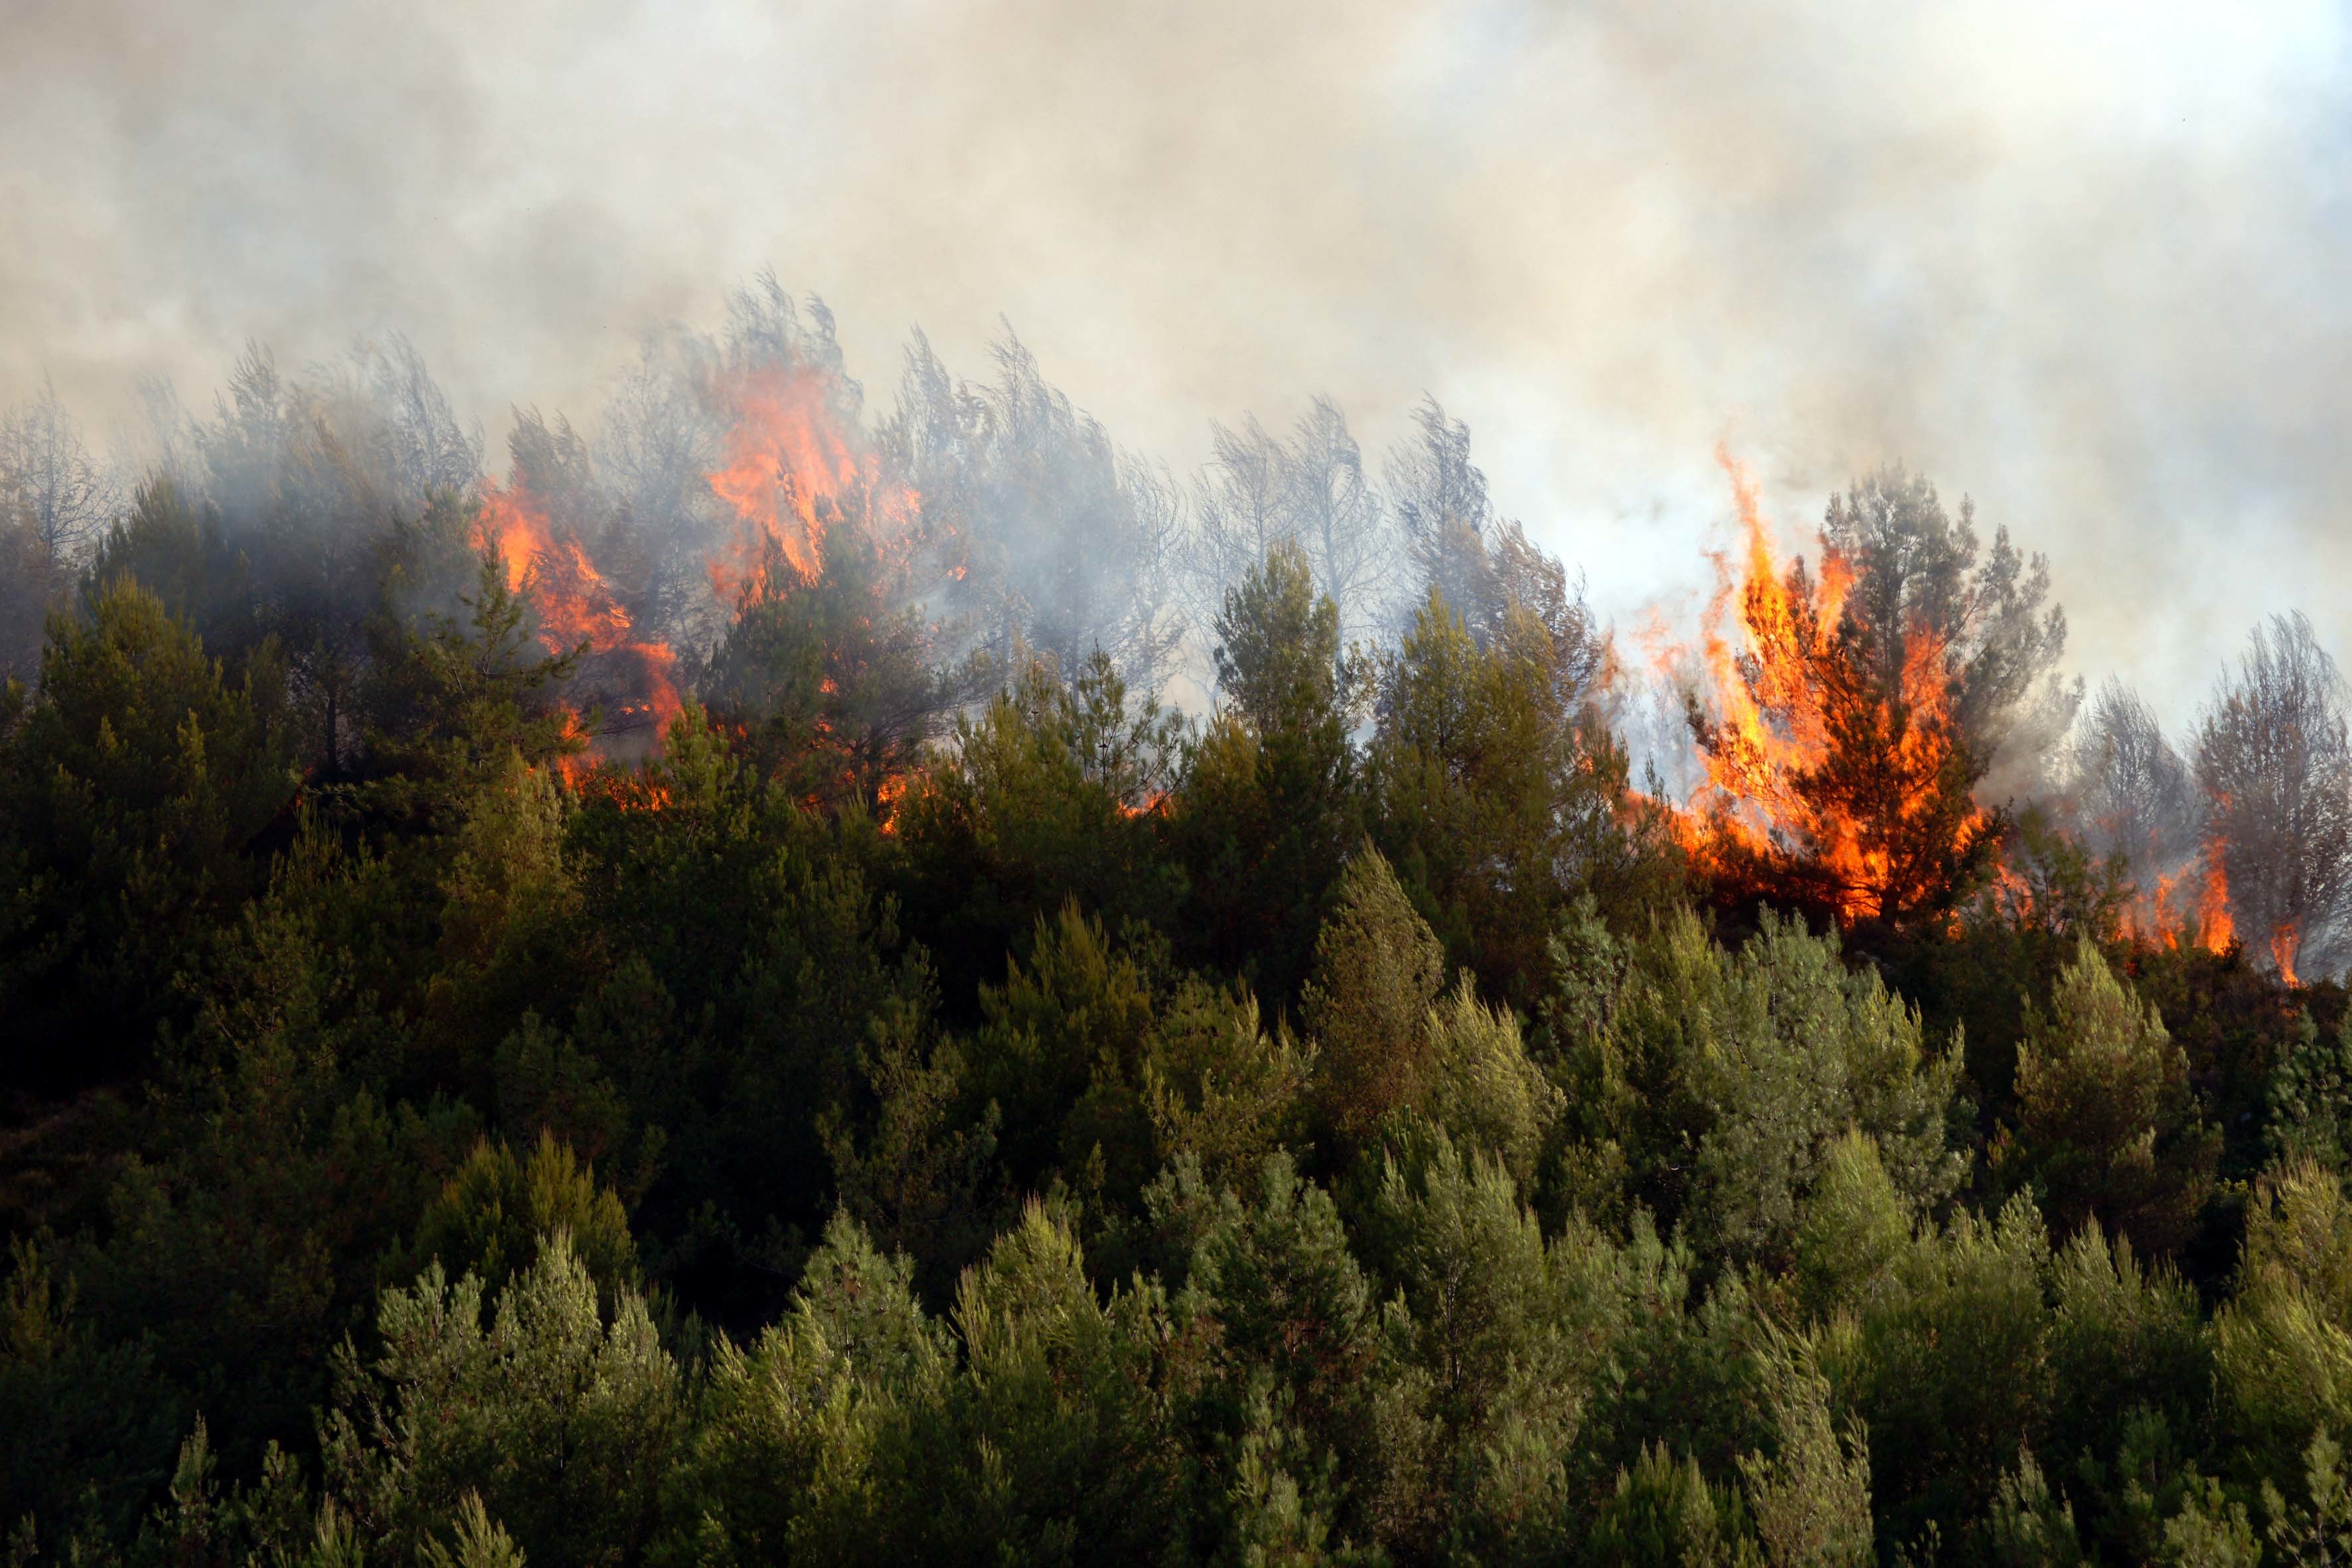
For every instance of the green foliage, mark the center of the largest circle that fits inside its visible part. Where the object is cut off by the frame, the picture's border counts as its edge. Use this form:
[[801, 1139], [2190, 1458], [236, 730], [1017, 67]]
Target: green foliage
[[1062, 1051], [2318, 1527], [178, 550], [1664, 1514], [2211, 1531], [2236, 1024], [781, 1463], [1287, 1333], [1377, 972], [2311, 1097], [489, 1220], [2280, 1348], [909, 1172], [199, 1520], [1269, 806], [510, 928], [1276, 1271], [1219, 1088], [477, 1542], [750, 957], [2002, 954], [1810, 1497], [1105, 1068], [1723, 1081], [1482, 1087], [2107, 1129], [1047, 1448], [86, 1440], [2029, 1526], [1498, 800], [1507, 1338], [241, 1230], [133, 789], [562, 1420], [1385, 1041], [1853, 1229], [1949, 1367], [2131, 1366], [1055, 793]]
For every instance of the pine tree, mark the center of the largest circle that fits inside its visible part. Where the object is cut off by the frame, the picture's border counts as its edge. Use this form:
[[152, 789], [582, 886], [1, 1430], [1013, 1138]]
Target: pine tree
[[2107, 1129]]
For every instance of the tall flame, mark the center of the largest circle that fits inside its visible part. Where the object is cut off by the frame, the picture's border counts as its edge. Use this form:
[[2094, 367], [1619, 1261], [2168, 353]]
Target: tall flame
[[793, 467], [576, 606], [789, 469], [1784, 702], [2188, 909], [2284, 943], [2193, 903]]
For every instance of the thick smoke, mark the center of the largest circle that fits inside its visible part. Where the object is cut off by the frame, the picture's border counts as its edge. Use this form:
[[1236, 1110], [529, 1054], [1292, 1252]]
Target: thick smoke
[[2084, 264]]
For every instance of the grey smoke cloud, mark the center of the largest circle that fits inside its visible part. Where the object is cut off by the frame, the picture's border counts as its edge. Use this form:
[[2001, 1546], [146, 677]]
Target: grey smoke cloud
[[2085, 263]]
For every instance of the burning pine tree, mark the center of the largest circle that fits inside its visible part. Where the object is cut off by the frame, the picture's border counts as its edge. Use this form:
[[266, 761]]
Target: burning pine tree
[[1855, 715], [825, 660]]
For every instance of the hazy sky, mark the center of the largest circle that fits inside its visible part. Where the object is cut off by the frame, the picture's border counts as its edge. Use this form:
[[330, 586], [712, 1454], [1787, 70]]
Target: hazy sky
[[2088, 263]]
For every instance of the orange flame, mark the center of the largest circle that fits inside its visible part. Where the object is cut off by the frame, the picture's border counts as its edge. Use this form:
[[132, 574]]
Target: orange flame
[[889, 797], [789, 472], [2210, 919], [2187, 908], [576, 606], [793, 466], [2285, 941], [1771, 651]]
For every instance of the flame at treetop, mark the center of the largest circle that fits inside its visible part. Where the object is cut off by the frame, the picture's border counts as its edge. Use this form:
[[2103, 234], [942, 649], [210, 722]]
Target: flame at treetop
[[1831, 775], [1810, 763], [2189, 907], [796, 477], [790, 471], [1770, 724], [576, 606], [792, 467], [2285, 941]]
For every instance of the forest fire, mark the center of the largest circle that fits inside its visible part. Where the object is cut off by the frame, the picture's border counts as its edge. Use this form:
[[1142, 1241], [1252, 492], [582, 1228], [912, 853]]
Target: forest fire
[[573, 604], [2284, 943], [790, 472], [2189, 907], [578, 609], [1840, 760], [1840, 768], [1772, 726], [1824, 751]]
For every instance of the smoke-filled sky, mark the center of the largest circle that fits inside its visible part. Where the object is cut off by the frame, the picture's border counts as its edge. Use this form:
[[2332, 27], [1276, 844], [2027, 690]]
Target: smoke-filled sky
[[2087, 263]]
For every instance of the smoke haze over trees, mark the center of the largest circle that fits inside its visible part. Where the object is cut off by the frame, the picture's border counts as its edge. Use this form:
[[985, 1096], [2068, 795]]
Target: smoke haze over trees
[[702, 995], [735, 524], [2083, 263]]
